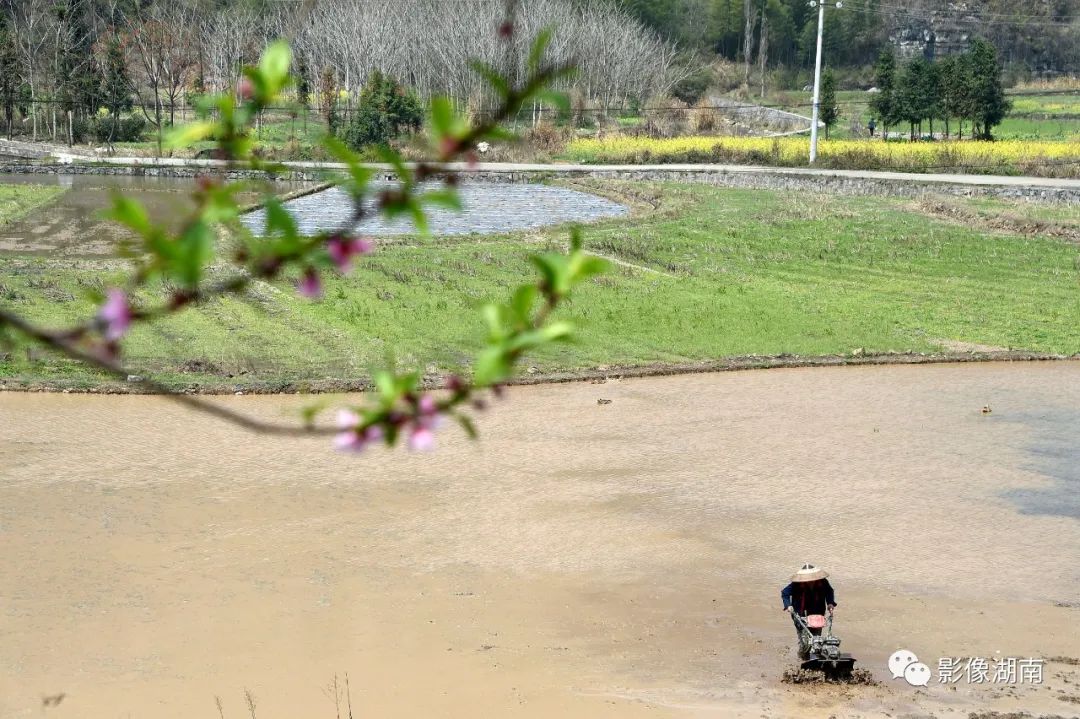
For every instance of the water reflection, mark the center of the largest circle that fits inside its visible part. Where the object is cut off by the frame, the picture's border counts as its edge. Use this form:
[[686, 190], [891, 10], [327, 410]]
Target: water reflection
[[1053, 453]]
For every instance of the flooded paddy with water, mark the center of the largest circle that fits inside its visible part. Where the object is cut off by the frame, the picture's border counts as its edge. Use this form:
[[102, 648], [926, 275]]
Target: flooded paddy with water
[[73, 225], [580, 560]]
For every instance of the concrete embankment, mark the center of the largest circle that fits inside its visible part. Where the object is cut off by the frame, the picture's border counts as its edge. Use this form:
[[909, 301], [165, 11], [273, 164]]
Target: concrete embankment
[[847, 182]]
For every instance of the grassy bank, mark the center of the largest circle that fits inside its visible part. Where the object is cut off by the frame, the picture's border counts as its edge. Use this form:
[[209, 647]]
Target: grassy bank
[[18, 200], [1013, 157], [702, 273]]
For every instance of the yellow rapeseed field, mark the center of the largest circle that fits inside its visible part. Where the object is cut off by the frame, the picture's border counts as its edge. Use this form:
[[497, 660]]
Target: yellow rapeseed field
[[1008, 156]]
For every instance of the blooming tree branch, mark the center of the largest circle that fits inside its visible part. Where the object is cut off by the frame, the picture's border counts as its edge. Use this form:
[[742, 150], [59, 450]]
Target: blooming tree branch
[[399, 409]]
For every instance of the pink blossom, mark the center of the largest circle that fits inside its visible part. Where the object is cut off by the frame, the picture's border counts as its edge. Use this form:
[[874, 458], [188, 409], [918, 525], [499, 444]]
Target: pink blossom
[[116, 314], [421, 438], [347, 419], [310, 285], [427, 405], [373, 434], [342, 248], [349, 439]]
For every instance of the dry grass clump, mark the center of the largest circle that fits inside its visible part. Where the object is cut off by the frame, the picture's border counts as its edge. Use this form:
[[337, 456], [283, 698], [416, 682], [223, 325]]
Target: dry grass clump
[[667, 117], [704, 119], [1064, 82]]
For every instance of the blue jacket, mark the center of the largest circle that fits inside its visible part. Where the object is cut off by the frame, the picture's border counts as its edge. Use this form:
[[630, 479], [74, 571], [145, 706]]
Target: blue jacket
[[809, 597]]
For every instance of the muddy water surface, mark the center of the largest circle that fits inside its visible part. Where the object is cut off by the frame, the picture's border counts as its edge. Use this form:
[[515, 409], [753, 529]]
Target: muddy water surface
[[581, 560], [72, 225]]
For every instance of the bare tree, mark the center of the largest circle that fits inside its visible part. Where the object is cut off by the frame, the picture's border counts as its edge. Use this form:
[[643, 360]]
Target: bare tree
[[763, 47], [161, 45], [30, 19], [750, 15]]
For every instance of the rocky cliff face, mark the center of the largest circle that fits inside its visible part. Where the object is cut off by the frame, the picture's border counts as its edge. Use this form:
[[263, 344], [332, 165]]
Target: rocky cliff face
[[934, 29], [1044, 35]]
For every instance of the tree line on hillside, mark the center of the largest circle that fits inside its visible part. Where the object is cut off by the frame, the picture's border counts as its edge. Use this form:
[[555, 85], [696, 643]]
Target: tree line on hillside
[[73, 65], [1043, 37], [964, 86]]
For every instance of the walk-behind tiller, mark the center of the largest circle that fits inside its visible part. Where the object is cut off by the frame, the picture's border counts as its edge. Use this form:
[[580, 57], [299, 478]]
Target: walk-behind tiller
[[819, 649]]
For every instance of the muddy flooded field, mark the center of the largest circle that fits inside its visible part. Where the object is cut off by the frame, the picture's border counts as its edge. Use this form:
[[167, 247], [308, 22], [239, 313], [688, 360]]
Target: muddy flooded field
[[582, 560], [73, 225]]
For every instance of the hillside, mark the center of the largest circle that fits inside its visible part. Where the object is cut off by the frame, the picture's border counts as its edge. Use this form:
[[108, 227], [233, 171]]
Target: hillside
[[1041, 36]]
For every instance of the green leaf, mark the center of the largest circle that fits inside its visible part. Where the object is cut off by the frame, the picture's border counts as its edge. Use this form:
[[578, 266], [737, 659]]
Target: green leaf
[[196, 249], [129, 213], [309, 412], [555, 271], [447, 197], [359, 174], [467, 424], [556, 331], [442, 115], [259, 84], [393, 158], [523, 301], [492, 365], [559, 99], [187, 135], [523, 341], [279, 221], [419, 217], [588, 266], [493, 315], [547, 267], [274, 66], [493, 77], [536, 52], [500, 133], [577, 238], [387, 386]]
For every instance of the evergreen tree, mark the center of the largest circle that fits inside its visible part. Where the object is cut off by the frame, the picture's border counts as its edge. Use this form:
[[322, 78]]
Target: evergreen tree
[[915, 98], [828, 111], [884, 104], [932, 94], [115, 85], [989, 106], [954, 74], [384, 112]]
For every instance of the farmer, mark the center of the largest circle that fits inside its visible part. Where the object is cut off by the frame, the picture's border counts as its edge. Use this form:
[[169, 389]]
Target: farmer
[[808, 593], [872, 125]]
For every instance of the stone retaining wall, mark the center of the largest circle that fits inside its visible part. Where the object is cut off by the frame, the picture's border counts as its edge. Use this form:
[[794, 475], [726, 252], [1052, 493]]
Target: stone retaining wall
[[763, 179]]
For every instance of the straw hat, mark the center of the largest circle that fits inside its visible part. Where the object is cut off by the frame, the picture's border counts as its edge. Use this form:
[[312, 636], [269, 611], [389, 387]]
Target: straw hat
[[809, 573]]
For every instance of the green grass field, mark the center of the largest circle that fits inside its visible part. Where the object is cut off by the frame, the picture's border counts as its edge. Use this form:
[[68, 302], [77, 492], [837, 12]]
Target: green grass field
[[18, 200], [703, 273], [278, 134]]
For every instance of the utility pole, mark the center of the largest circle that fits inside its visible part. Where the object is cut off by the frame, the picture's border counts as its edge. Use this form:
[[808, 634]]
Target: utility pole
[[817, 75]]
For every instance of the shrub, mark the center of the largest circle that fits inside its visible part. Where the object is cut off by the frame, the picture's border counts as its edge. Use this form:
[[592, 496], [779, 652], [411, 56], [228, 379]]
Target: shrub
[[692, 87], [100, 128], [385, 111], [128, 129]]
